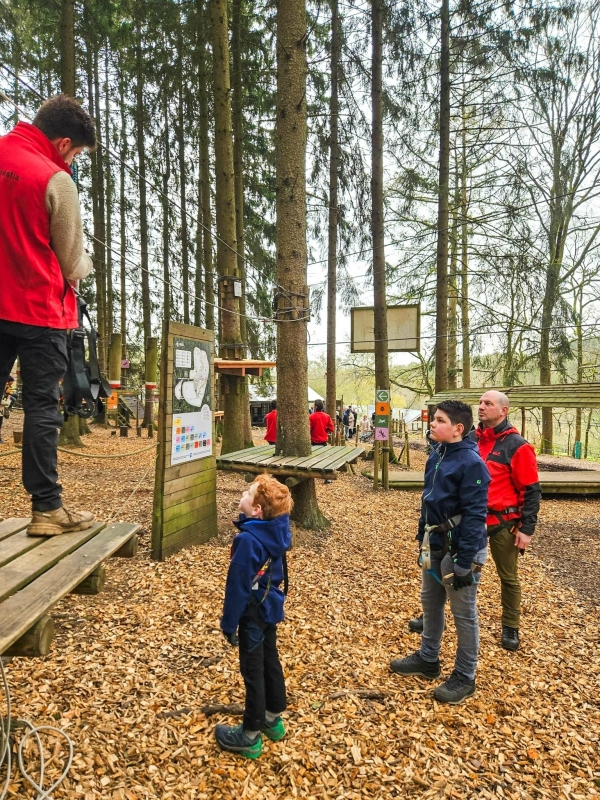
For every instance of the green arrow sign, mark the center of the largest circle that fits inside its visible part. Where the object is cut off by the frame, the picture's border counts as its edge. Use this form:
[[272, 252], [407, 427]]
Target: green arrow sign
[[382, 395]]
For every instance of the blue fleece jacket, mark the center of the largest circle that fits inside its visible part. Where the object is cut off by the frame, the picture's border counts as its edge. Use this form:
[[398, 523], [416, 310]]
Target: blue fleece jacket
[[456, 482], [257, 541]]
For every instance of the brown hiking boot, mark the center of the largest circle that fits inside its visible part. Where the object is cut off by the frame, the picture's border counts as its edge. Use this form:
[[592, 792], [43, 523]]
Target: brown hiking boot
[[60, 520]]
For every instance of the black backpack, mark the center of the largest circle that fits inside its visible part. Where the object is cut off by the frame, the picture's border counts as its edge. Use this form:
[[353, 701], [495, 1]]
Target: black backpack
[[83, 386]]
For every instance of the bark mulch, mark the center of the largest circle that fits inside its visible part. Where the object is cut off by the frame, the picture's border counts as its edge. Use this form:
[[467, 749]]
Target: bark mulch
[[139, 675]]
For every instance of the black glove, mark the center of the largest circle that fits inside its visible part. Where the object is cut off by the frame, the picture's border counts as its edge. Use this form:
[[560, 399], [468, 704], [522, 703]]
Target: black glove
[[232, 638], [460, 581]]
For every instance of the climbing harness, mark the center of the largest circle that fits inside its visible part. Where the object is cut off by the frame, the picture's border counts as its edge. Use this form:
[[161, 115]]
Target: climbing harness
[[83, 386]]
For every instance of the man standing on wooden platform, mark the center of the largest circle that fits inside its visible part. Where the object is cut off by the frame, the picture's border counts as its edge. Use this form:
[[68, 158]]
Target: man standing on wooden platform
[[41, 256]]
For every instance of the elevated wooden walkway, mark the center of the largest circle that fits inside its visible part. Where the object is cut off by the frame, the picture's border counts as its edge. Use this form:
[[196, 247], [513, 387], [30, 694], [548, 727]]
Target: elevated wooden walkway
[[324, 462], [38, 571], [568, 482]]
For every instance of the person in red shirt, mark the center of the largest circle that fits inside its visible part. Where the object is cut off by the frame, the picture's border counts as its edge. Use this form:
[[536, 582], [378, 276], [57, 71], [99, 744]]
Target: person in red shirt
[[320, 424], [41, 257], [271, 420]]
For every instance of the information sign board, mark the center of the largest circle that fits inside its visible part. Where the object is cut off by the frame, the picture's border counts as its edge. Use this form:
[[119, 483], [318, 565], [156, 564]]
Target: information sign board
[[382, 408], [382, 434]]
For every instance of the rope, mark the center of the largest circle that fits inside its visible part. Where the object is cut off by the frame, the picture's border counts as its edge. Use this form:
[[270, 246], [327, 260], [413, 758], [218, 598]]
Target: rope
[[9, 453], [34, 731], [97, 455], [121, 507]]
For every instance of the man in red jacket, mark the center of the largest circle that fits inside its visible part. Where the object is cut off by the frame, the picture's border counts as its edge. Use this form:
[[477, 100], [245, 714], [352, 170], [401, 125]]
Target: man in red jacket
[[271, 420], [513, 502], [41, 256], [320, 424]]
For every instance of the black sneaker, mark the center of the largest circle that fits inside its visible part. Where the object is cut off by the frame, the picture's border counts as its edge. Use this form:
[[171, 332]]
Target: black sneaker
[[415, 665], [456, 689], [416, 625], [510, 638]]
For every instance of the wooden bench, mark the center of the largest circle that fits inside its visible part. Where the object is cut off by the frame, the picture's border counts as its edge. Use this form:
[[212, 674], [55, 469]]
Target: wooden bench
[[324, 462], [37, 571]]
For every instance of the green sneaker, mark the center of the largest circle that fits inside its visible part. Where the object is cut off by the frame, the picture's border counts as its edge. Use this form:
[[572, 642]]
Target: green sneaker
[[276, 731], [233, 739]]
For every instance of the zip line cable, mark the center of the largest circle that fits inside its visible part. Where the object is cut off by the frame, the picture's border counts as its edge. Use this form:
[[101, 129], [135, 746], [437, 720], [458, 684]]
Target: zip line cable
[[484, 219]]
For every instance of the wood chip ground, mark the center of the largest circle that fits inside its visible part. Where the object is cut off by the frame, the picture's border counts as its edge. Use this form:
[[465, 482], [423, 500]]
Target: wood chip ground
[[132, 669]]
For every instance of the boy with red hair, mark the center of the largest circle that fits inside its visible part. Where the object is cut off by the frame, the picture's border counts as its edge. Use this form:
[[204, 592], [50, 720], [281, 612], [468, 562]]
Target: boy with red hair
[[254, 606]]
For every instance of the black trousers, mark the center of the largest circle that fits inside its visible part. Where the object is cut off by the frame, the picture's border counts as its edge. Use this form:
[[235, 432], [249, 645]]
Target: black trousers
[[261, 671], [43, 358]]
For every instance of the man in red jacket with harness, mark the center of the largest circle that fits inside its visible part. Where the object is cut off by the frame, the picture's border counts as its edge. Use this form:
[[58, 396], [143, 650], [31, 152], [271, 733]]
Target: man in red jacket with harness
[[41, 256], [513, 502]]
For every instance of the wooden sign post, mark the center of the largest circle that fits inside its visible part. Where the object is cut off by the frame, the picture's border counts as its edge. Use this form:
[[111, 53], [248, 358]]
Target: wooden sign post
[[382, 433], [185, 493]]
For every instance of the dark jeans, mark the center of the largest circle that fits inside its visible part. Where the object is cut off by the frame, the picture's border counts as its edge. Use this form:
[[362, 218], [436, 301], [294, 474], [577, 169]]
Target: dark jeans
[[43, 357], [261, 671]]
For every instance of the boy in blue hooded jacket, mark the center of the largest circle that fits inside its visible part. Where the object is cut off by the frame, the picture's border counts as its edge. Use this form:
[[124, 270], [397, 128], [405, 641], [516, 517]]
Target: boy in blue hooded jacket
[[254, 606], [453, 538]]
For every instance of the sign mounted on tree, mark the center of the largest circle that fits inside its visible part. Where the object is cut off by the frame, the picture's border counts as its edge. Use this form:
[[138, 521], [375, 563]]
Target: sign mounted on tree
[[382, 415], [404, 329]]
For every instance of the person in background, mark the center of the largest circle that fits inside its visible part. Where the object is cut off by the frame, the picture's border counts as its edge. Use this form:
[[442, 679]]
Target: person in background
[[320, 424], [271, 422], [7, 400], [351, 422], [365, 425], [41, 258]]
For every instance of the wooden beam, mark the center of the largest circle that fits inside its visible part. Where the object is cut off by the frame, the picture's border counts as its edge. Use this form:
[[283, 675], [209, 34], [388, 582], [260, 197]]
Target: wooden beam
[[94, 583], [129, 549], [35, 642]]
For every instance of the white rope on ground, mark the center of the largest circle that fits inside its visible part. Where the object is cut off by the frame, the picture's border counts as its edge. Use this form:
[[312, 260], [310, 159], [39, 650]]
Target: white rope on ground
[[34, 731], [121, 507], [98, 455]]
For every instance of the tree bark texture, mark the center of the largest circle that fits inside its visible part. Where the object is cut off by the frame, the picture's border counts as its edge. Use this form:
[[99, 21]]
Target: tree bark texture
[[67, 47], [166, 178], [334, 167], [185, 258], [145, 278], [464, 265], [123, 228], [293, 438], [204, 197], [441, 323], [230, 344]]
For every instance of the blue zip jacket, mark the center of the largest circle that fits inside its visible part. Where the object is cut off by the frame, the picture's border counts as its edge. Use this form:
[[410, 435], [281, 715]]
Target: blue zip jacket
[[257, 541], [456, 482]]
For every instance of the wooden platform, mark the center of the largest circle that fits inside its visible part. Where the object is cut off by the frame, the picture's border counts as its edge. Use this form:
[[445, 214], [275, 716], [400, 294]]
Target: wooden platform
[[38, 571], [324, 462], [568, 482]]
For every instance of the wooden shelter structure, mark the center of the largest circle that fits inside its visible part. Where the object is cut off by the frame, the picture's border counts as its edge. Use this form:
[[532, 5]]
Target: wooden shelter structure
[[558, 395]]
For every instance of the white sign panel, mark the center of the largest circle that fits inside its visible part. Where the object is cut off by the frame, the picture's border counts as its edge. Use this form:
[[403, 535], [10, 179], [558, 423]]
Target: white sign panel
[[403, 324], [191, 435]]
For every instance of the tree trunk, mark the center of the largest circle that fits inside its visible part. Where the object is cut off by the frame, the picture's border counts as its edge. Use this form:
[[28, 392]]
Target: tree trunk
[[453, 293], [67, 47], [204, 188], [122, 227], [110, 326], [441, 324], [140, 117], [334, 167], [237, 20], [100, 228], [166, 177], [382, 377], [291, 298], [464, 264], [227, 267], [185, 259], [69, 435], [198, 277]]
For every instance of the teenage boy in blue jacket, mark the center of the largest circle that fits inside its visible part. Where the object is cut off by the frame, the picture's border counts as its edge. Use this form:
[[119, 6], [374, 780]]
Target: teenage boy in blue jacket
[[253, 606], [453, 540]]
